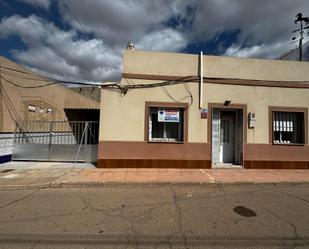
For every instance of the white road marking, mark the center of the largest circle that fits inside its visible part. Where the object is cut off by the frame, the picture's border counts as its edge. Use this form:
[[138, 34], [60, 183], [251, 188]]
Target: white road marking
[[212, 180]]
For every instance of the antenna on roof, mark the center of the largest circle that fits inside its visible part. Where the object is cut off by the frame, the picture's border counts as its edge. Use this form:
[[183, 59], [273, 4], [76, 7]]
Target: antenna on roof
[[302, 20]]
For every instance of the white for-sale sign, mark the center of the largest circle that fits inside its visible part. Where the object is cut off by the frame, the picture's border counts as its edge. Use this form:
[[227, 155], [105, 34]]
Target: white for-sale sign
[[168, 115]]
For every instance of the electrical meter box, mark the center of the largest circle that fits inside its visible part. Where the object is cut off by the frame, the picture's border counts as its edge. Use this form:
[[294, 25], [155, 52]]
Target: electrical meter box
[[251, 120]]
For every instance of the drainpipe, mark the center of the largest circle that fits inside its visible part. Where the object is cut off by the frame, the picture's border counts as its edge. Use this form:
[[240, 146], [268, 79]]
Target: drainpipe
[[201, 81]]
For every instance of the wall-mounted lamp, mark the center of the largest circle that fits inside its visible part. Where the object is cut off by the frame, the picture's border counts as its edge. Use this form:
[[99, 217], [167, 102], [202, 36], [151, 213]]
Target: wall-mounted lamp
[[227, 102]]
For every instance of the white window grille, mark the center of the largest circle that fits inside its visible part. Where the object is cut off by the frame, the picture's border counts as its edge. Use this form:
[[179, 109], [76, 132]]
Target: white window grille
[[288, 127]]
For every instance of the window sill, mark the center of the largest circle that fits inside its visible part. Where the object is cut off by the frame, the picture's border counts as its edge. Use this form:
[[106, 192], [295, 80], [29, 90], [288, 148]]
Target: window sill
[[288, 144], [165, 142]]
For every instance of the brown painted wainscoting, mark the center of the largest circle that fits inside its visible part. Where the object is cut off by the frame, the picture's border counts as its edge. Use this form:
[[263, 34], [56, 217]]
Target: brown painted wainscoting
[[114, 154], [143, 163], [276, 165], [269, 156]]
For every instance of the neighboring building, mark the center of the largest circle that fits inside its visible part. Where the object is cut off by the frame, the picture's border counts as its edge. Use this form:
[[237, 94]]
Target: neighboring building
[[254, 113], [51, 103]]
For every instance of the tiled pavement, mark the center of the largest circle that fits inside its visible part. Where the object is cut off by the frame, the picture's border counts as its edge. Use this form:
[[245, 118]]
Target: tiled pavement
[[92, 177]]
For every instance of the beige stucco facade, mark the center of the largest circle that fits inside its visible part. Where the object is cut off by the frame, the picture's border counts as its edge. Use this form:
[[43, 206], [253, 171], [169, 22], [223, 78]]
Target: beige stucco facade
[[161, 63], [253, 83], [131, 108]]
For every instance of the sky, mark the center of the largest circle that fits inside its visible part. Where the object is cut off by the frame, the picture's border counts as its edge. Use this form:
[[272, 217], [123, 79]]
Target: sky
[[81, 40]]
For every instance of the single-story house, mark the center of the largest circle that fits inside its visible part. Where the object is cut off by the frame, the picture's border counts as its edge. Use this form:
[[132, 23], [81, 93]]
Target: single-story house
[[192, 111]]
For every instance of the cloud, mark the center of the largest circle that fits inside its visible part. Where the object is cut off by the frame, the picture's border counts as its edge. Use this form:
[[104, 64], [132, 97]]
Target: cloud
[[111, 24], [163, 40], [39, 3], [117, 22], [260, 22], [61, 53], [270, 51], [96, 32]]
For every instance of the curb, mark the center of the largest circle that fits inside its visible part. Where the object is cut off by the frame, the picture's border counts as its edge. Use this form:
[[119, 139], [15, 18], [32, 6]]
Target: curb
[[146, 184], [20, 187]]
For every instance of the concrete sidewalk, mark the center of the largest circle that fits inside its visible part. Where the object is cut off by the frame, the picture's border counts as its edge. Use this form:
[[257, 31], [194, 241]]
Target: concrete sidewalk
[[44, 165], [92, 177]]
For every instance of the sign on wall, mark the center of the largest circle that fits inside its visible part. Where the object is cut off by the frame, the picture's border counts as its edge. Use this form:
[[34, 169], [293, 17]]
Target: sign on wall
[[168, 115]]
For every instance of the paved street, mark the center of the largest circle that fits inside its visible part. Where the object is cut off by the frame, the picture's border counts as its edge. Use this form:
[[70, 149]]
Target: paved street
[[170, 216]]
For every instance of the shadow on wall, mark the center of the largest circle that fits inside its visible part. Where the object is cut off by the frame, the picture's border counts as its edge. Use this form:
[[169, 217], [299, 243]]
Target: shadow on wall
[[91, 132], [82, 114]]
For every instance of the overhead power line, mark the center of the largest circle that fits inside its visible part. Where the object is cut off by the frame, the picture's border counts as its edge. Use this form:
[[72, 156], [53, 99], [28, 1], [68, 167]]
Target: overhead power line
[[11, 109], [50, 83], [71, 13], [125, 88], [59, 82], [23, 72], [40, 78], [86, 31]]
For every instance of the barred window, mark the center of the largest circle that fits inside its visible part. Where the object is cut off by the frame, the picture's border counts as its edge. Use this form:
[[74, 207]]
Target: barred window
[[166, 124], [31, 108], [288, 127]]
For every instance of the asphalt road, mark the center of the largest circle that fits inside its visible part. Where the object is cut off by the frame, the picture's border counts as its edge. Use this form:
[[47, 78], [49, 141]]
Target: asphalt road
[[156, 217]]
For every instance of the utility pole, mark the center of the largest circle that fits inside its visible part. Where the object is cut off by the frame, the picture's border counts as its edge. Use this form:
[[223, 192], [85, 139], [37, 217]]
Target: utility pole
[[303, 21]]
